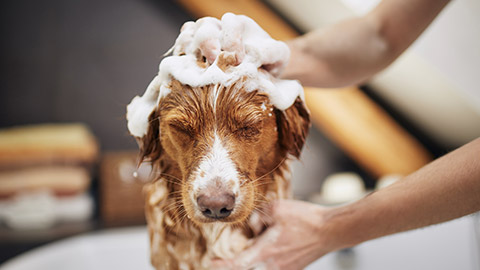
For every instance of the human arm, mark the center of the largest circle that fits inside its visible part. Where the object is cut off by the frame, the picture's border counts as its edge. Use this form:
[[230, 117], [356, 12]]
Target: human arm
[[445, 189], [354, 50]]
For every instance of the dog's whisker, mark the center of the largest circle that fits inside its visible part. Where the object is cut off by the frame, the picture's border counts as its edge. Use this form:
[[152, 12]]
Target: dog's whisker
[[176, 183], [271, 171], [166, 180], [171, 207], [175, 205], [259, 184], [183, 217], [261, 200], [168, 175], [241, 225], [263, 215], [261, 195], [172, 215], [175, 192], [162, 173], [177, 218]]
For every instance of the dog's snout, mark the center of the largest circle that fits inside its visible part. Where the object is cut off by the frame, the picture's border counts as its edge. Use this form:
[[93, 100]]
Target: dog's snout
[[217, 205]]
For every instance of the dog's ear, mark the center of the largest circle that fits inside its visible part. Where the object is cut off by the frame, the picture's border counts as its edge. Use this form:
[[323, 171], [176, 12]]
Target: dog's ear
[[150, 146], [293, 125]]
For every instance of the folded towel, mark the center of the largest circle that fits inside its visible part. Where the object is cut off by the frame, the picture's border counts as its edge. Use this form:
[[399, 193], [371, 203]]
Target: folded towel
[[60, 180], [42, 209], [46, 144]]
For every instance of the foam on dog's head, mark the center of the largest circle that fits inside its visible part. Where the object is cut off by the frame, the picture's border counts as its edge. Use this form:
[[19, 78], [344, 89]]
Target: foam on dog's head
[[257, 60]]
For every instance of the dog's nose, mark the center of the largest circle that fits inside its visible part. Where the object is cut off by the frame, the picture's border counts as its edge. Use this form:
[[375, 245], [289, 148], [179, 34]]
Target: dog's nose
[[216, 206]]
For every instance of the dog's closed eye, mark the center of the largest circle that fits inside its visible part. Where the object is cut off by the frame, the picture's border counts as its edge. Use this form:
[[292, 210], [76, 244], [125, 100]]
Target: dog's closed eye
[[247, 123], [248, 132], [181, 133], [182, 128]]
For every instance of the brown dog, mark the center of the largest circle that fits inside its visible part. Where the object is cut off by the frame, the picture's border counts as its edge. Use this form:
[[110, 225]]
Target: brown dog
[[219, 153]]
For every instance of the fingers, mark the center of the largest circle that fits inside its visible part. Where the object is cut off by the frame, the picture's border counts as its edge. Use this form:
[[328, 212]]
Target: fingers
[[270, 213], [184, 39], [207, 38], [212, 36], [210, 49], [257, 256], [219, 264], [241, 262], [264, 218], [247, 259], [230, 265], [234, 35], [232, 32]]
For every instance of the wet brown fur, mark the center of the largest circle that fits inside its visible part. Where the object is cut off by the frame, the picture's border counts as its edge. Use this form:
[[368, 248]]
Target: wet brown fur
[[180, 133]]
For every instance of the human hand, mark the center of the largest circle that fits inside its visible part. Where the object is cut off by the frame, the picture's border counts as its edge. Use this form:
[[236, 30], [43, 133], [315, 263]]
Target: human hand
[[311, 69], [295, 238]]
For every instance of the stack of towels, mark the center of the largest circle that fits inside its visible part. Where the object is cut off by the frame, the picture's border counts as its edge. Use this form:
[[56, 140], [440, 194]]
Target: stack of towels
[[45, 174]]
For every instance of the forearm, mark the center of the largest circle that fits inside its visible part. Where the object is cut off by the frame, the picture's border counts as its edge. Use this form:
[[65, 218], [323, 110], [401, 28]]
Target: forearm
[[300, 233], [354, 50], [445, 189], [336, 56]]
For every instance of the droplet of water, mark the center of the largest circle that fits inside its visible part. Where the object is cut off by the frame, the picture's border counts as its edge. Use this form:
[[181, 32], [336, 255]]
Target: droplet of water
[[188, 216], [135, 174]]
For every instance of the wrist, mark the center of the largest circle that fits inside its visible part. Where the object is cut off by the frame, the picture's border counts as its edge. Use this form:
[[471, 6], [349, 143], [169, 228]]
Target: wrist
[[330, 231], [303, 65], [292, 69], [340, 226]]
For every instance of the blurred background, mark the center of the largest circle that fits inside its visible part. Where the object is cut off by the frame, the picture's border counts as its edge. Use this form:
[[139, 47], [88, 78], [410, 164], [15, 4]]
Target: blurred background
[[69, 68], [75, 64]]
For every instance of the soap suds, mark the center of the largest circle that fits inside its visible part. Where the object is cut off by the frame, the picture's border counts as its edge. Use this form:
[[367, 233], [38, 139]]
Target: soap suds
[[209, 37]]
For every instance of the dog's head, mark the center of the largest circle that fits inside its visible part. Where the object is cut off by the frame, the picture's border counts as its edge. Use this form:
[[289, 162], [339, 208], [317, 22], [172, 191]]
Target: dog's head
[[219, 146], [217, 121]]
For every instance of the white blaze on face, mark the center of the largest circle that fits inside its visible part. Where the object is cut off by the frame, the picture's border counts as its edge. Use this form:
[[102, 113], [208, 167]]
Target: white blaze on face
[[216, 164]]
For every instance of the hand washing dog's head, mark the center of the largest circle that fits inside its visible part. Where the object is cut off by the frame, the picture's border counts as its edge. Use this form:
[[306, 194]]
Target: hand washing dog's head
[[217, 129]]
